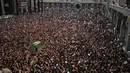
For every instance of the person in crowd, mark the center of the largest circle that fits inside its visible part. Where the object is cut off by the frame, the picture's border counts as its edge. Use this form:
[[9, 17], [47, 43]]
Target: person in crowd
[[73, 41]]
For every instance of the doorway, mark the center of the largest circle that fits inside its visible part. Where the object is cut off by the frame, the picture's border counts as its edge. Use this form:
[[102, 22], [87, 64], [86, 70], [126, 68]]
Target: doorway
[[8, 4]]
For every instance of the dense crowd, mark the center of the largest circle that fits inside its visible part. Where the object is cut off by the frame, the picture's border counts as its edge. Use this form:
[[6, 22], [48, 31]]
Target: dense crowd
[[73, 41]]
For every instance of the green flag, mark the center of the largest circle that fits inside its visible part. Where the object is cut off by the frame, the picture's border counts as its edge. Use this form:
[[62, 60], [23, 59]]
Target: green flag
[[32, 62], [36, 46]]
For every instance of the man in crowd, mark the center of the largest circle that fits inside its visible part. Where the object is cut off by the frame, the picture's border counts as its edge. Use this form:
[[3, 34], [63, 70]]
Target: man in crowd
[[70, 44]]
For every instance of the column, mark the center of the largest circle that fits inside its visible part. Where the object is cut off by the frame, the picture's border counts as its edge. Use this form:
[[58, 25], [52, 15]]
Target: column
[[41, 5], [107, 7], [113, 14], [38, 5], [15, 10], [117, 18], [128, 37], [34, 5], [30, 6], [121, 27], [2, 6], [114, 20]]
